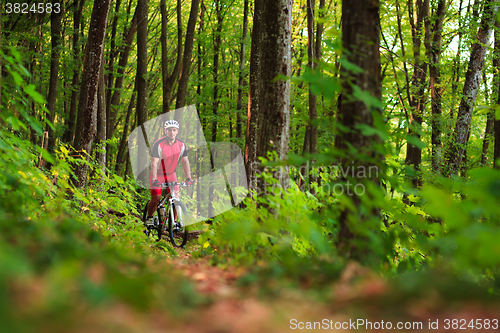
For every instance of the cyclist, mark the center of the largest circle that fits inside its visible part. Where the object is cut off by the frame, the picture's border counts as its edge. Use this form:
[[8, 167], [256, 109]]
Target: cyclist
[[165, 155]]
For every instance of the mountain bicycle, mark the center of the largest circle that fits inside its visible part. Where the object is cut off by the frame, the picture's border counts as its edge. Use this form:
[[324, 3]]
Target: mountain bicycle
[[164, 217]]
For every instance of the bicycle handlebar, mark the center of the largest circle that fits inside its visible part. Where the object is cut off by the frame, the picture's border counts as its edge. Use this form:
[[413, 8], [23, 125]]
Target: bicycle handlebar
[[167, 184]]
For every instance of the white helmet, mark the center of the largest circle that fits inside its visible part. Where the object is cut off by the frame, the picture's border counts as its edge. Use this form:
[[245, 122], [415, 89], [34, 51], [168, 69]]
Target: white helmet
[[171, 123]]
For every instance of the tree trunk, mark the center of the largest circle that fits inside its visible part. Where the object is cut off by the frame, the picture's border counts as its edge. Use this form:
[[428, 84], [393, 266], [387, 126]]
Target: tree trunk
[[311, 63], [142, 81], [70, 129], [253, 116], [496, 82], [496, 152], [241, 76], [186, 61], [435, 80], [217, 44], [122, 64], [101, 120], [33, 68], [269, 118], [122, 147], [87, 108], [417, 101], [455, 153], [55, 31], [487, 136], [403, 53], [456, 63], [109, 80], [200, 60], [113, 52], [360, 39], [169, 80], [1, 60], [319, 30]]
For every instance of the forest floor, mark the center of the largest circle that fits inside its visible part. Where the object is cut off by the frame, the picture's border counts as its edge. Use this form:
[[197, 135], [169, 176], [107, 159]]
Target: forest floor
[[359, 296]]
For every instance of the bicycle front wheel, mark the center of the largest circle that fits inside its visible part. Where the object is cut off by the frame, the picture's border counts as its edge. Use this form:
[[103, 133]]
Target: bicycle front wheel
[[155, 230], [178, 233]]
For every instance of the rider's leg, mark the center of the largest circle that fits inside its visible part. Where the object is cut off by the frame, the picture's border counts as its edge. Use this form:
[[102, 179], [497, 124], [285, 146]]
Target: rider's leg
[[155, 200], [155, 196]]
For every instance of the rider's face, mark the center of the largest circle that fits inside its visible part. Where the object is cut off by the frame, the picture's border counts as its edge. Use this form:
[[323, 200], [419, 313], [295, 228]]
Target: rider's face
[[171, 133]]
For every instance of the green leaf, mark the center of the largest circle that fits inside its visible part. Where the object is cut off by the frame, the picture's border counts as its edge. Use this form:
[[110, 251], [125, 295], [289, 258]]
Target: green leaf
[[35, 126], [17, 78], [486, 109], [4, 146], [415, 141], [368, 130], [118, 179], [16, 123], [16, 54], [366, 97], [413, 198], [393, 163], [354, 69], [46, 155], [30, 90]]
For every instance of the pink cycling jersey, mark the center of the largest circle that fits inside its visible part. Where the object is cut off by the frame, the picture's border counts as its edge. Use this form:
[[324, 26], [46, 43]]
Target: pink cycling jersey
[[169, 156]]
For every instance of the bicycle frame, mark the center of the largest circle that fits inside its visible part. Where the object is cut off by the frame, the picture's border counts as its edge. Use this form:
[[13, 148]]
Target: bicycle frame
[[168, 197]]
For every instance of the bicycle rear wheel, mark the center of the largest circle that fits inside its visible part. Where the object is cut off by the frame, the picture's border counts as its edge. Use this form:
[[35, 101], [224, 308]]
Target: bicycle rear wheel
[[155, 230], [178, 233]]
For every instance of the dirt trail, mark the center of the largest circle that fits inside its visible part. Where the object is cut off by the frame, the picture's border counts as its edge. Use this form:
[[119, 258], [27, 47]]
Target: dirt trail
[[358, 297]]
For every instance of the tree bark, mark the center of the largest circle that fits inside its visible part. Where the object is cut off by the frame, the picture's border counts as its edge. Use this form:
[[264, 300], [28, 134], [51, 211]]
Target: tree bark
[[200, 61], [34, 68], [122, 147], [312, 147], [169, 80], [496, 82], [496, 151], [87, 108], [70, 129], [434, 52], [241, 76], [456, 63], [360, 39], [253, 116], [101, 120], [417, 101], [455, 152], [186, 61], [1, 26], [217, 44], [55, 31], [490, 118], [112, 55], [142, 80], [122, 64], [269, 117], [487, 136], [109, 80]]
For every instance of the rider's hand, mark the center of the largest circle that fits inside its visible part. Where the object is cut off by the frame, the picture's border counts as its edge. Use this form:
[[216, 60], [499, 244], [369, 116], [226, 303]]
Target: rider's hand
[[156, 183], [189, 182]]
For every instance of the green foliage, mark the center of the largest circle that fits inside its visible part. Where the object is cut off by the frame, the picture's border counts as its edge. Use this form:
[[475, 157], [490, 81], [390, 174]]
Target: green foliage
[[457, 222], [65, 252]]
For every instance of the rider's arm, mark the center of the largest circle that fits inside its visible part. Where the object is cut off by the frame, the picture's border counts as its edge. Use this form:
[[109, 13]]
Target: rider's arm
[[154, 167], [186, 167]]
